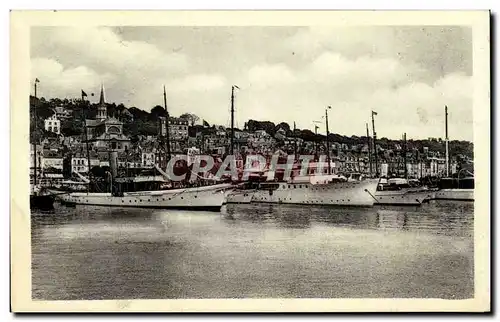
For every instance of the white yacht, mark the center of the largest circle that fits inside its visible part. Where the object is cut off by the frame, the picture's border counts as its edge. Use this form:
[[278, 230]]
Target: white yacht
[[209, 197], [456, 189], [398, 191], [318, 190]]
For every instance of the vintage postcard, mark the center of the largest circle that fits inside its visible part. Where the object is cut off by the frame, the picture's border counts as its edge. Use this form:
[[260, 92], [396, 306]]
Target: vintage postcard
[[256, 161]]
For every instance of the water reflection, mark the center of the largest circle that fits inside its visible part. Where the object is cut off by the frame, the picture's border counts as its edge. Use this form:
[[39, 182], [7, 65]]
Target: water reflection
[[254, 251], [437, 218]]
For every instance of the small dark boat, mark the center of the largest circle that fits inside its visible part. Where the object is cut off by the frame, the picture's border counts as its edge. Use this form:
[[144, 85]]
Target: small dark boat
[[41, 199], [41, 202]]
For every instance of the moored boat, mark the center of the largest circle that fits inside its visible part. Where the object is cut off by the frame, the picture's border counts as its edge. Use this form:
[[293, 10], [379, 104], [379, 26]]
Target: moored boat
[[240, 196], [398, 191], [41, 199], [193, 198], [456, 189], [327, 190]]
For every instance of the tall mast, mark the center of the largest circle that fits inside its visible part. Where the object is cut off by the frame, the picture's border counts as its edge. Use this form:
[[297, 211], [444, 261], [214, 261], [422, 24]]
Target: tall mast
[[86, 135], [34, 136], [375, 144], [404, 156], [327, 140], [231, 147], [369, 148], [294, 140], [446, 140], [316, 139], [167, 124]]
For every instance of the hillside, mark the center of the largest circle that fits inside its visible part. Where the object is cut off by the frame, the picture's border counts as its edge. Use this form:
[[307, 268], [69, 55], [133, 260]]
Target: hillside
[[139, 122]]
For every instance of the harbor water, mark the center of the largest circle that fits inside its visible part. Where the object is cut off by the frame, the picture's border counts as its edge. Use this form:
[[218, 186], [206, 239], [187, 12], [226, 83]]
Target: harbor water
[[254, 251]]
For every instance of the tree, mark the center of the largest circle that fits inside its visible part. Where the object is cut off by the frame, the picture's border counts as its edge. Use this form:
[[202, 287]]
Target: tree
[[138, 114], [156, 112], [285, 127], [190, 117]]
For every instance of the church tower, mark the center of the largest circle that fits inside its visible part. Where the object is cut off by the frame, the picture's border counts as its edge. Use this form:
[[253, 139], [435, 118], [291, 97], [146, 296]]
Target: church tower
[[101, 108]]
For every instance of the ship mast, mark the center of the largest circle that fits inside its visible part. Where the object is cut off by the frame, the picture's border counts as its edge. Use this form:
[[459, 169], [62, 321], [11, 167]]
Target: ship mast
[[231, 147], [446, 140], [167, 134], [34, 136], [375, 144], [404, 156], [327, 140], [86, 136], [295, 140], [369, 148]]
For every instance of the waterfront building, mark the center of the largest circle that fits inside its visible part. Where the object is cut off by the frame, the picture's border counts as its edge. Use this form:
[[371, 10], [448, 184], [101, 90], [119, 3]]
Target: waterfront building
[[79, 162], [148, 159], [52, 160]]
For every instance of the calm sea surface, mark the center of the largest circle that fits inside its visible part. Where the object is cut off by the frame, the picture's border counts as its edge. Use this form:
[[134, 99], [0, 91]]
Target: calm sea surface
[[254, 251]]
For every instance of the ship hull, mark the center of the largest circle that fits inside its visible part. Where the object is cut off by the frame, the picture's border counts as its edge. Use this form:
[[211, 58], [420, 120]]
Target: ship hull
[[455, 194], [359, 194], [410, 198], [239, 197], [199, 198]]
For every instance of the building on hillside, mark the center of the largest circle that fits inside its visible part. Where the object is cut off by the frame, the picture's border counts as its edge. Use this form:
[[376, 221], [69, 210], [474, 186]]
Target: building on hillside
[[178, 133], [106, 132], [53, 124], [178, 129], [61, 112]]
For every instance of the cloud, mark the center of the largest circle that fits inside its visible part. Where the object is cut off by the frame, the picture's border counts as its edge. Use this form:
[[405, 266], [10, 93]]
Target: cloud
[[354, 87], [438, 49], [101, 48], [133, 72], [406, 74], [198, 83], [270, 75], [56, 81]]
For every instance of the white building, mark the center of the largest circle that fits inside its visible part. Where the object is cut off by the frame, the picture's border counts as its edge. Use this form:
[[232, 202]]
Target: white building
[[61, 112], [55, 162], [52, 124], [80, 164], [148, 159]]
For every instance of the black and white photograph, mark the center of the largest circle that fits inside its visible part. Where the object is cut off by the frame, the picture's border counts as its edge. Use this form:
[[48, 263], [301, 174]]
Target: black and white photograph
[[217, 161]]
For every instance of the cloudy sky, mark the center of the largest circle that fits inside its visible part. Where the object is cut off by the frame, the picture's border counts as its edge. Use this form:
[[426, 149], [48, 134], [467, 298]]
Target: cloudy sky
[[406, 74]]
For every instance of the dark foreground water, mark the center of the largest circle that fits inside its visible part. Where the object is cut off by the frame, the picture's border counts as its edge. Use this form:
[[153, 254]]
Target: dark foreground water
[[254, 251]]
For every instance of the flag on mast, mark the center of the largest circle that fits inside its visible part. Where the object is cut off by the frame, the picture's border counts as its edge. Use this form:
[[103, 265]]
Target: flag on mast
[[37, 80], [84, 94], [374, 113]]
